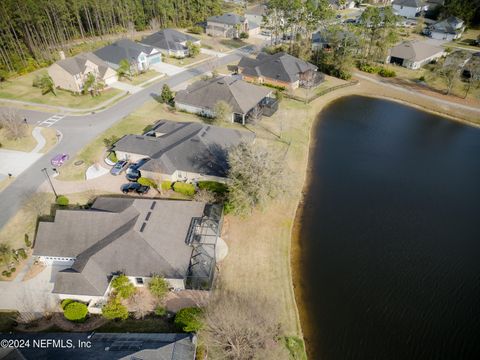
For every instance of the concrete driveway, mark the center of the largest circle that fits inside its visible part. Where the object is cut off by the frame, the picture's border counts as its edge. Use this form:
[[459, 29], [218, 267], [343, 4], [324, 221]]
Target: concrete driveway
[[168, 69], [16, 162]]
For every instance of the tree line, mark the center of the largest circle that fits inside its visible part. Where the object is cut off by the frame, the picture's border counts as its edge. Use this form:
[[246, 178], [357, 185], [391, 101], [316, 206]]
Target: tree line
[[32, 31]]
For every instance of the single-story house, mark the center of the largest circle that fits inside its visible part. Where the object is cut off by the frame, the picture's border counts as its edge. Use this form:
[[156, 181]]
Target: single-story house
[[451, 28], [139, 56], [256, 14], [136, 237], [280, 69], [71, 73], [244, 98], [229, 26], [182, 151], [171, 42], [414, 54], [97, 345], [409, 8]]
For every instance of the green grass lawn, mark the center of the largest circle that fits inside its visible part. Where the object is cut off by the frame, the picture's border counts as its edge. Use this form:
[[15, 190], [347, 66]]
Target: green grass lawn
[[28, 142], [185, 61], [142, 77], [21, 88]]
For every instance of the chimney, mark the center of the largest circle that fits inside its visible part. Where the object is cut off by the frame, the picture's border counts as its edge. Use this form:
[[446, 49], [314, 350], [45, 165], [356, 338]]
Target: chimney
[[62, 55]]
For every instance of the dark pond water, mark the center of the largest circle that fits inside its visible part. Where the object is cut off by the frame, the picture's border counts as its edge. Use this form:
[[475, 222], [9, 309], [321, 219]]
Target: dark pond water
[[390, 235]]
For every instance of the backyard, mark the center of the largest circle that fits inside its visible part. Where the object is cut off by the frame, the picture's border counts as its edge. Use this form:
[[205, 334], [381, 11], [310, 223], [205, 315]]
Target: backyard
[[20, 88]]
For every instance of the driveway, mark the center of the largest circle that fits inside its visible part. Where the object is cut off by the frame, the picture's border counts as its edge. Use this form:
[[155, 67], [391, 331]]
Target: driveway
[[168, 69], [212, 52], [16, 162], [132, 89]]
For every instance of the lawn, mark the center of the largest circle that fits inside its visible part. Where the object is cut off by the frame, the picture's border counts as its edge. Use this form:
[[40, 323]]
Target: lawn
[[328, 83], [186, 61], [28, 142], [142, 77], [219, 44], [467, 40], [21, 88]]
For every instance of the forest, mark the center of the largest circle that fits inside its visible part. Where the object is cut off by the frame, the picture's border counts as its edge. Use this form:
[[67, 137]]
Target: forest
[[32, 31]]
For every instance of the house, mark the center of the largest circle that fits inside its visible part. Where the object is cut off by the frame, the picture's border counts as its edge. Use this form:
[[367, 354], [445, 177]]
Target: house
[[182, 151], [244, 98], [71, 73], [409, 8], [256, 14], [135, 237], [338, 5], [105, 346], [280, 69], [414, 54], [229, 26], [170, 42], [139, 56], [323, 39], [449, 29]]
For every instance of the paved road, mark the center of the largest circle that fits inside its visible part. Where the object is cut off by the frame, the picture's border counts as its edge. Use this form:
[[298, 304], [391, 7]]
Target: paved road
[[78, 131]]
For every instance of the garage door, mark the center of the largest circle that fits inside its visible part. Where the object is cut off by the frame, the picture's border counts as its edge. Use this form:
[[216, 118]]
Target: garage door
[[110, 80], [155, 59]]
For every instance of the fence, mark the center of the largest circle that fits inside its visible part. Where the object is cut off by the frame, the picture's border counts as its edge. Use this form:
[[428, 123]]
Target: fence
[[321, 93]]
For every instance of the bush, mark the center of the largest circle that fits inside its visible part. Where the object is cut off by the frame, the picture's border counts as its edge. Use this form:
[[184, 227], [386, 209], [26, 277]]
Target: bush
[[62, 200], [28, 243], [195, 29], [243, 35], [4, 273], [8, 274], [65, 302], [387, 73], [276, 87], [213, 186], [109, 141], [114, 310], [147, 182], [166, 185], [22, 253], [75, 311], [421, 78], [188, 319], [184, 188], [158, 286], [12, 270], [123, 287], [112, 157], [160, 311], [369, 68]]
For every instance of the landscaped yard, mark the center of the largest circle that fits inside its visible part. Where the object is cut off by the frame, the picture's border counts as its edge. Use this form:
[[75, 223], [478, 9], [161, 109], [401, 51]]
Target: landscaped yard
[[308, 93], [467, 40], [142, 77], [219, 44], [28, 142], [21, 88], [185, 61]]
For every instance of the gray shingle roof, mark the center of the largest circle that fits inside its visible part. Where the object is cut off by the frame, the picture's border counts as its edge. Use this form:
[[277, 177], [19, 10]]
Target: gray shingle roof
[[239, 94], [111, 237], [280, 66], [76, 64], [449, 25], [409, 3], [168, 39], [228, 19], [186, 146], [107, 346], [415, 50], [122, 49]]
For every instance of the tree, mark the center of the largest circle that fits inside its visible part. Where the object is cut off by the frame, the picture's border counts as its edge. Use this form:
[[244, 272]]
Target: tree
[[45, 83], [158, 286], [449, 69], [124, 70], [114, 310], [188, 319], [92, 85], [166, 97], [193, 49], [110, 141], [140, 304], [472, 73], [6, 254], [204, 195], [222, 111], [12, 124], [123, 287], [75, 311], [255, 175], [241, 327]]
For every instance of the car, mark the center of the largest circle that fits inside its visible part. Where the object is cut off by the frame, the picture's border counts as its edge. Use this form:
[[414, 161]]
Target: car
[[134, 187], [133, 175], [135, 166], [59, 159], [118, 168]]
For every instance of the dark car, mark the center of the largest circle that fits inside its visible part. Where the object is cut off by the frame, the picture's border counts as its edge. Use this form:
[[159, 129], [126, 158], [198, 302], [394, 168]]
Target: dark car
[[135, 166], [119, 167], [134, 187], [133, 175]]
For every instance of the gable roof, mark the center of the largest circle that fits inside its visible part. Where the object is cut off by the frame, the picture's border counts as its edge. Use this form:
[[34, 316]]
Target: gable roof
[[168, 39], [122, 49], [185, 146], [415, 50], [228, 19], [240, 95], [409, 3], [77, 64], [448, 25], [280, 66], [134, 236]]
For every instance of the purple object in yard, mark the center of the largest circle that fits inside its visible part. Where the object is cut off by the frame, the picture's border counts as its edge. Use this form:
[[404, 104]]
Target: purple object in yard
[[59, 159]]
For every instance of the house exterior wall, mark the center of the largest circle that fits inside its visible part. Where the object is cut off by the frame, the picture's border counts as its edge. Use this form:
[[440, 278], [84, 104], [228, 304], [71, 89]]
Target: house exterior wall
[[63, 79], [274, 82], [132, 157], [444, 36], [195, 110], [406, 11], [52, 260], [414, 65], [225, 30], [82, 298], [110, 76], [184, 176]]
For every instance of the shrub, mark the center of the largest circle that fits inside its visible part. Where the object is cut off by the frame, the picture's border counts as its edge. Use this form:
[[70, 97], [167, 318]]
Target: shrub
[[228, 207], [147, 182], [4, 273], [387, 73], [112, 157], [22, 253], [295, 347], [160, 311], [166, 96], [369, 68], [184, 188], [62, 200], [243, 35], [213, 186], [12, 270], [188, 319], [195, 29], [276, 87], [65, 302], [114, 310], [28, 243], [75, 311], [421, 78], [158, 286], [109, 141], [8, 274], [123, 287], [166, 185]]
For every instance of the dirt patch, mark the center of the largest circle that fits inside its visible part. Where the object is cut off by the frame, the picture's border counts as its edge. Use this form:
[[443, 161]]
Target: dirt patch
[[35, 269], [176, 300]]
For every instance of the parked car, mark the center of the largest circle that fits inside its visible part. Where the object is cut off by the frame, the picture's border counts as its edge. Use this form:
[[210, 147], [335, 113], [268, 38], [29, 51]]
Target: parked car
[[59, 159], [118, 168], [133, 175], [134, 187], [134, 167]]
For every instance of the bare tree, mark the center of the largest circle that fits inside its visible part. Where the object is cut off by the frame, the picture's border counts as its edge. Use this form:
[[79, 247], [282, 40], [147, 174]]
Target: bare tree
[[204, 195], [141, 303], [13, 125], [154, 24], [241, 327], [255, 114], [223, 111]]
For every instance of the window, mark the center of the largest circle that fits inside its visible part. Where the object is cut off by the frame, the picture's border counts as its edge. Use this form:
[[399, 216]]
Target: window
[[139, 281]]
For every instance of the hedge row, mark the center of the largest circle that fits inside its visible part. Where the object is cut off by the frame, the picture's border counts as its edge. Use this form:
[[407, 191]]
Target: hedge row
[[184, 188]]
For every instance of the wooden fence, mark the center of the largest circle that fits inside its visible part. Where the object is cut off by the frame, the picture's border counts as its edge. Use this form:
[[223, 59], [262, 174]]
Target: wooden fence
[[321, 93]]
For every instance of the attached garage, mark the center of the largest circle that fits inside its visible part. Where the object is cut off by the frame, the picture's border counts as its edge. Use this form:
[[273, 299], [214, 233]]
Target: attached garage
[[155, 59]]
